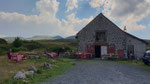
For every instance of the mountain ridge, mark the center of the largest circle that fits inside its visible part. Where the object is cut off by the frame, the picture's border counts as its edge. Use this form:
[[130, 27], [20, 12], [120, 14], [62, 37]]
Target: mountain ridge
[[39, 37]]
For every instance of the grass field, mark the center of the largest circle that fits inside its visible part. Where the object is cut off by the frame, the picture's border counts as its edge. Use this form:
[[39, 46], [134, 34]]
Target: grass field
[[9, 68]]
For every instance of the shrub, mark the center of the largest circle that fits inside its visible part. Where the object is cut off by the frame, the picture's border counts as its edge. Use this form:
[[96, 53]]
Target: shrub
[[33, 45], [72, 56], [17, 42], [19, 49], [67, 48], [55, 49], [2, 52], [3, 41], [58, 49], [4, 48], [39, 71]]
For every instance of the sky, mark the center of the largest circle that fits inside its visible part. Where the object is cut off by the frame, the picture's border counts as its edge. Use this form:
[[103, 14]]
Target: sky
[[27, 18]]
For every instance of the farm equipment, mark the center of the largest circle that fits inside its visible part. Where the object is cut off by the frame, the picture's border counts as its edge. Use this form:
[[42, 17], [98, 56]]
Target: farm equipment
[[16, 58], [84, 55], [52, 55], [33, 55]]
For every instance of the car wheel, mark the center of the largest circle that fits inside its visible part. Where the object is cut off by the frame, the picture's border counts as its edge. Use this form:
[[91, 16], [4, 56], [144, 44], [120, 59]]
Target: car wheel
[[146, 63]]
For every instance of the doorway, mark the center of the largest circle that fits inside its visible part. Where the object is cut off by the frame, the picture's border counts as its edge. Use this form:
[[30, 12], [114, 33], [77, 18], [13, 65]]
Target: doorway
[[97, 51]]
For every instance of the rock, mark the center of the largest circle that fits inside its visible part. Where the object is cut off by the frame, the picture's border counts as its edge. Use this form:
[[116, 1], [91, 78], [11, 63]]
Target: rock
[[19, 75], [53, 61], [32, 68], [73, 64], [27, 73], [46, 65]]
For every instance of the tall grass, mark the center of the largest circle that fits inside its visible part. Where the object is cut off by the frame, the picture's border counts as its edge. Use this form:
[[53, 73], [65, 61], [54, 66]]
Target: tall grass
[[9, 69]]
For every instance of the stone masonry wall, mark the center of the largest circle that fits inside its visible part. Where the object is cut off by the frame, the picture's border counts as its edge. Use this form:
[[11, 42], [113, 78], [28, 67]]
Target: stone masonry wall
[[114, 36]]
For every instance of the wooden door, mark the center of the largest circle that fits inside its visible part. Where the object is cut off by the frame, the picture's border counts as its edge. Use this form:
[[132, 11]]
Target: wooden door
[[103, 50]]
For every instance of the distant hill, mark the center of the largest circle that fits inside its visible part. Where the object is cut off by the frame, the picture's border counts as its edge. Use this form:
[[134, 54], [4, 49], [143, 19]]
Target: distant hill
[[58, 37], [71, 37], [40, 37], [44, 37], [11, 39]]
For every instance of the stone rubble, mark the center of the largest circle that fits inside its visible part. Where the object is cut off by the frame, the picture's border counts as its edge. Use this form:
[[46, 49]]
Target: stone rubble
[[20, 75], [32, 68]]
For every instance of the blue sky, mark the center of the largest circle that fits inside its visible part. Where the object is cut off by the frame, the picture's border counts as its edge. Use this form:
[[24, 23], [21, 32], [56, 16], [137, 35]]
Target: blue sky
[[27, 18], [21, 6]]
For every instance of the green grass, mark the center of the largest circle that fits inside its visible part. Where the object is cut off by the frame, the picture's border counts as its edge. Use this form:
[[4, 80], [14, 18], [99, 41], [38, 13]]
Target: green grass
[[138, 63], [58, 67], [45, 74]]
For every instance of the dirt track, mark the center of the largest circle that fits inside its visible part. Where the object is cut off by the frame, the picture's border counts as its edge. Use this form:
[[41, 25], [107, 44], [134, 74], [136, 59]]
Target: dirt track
[[102, 72]]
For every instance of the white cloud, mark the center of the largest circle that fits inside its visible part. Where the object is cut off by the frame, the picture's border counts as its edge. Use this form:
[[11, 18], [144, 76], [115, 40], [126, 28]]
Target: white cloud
[[149, 25], [71, 4], [96, 3], [1, 36], [77, 23], [128, 12], [46, 23], [47, 6], [47, 9]]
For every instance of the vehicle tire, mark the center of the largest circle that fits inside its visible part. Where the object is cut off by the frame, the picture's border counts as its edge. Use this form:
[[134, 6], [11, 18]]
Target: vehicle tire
[[146, 63]]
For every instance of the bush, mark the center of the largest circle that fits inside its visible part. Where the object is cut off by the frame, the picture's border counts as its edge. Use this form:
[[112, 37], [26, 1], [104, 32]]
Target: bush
[[55, 49], [39, 71], [4, 48], [67, 48], [2, 52], [33, 45], [19, 49], [3, 41], [58, 49], [17, 42], [72, 56]]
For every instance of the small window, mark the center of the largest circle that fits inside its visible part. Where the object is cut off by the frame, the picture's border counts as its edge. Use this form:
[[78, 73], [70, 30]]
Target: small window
[[101, 36], [130, 50]]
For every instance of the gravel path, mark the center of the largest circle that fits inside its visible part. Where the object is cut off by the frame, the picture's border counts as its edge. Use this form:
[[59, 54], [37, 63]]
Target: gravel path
[[102, 72]]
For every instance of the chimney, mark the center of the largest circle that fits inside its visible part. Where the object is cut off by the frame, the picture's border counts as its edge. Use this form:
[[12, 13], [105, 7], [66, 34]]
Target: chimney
[[125, 29]]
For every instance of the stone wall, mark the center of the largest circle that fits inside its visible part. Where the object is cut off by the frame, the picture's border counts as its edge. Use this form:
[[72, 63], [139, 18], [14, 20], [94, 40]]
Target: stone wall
[[114, 36], [139, 46]]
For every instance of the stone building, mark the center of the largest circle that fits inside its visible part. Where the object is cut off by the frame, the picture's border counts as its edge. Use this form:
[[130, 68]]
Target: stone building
[[104, 39]]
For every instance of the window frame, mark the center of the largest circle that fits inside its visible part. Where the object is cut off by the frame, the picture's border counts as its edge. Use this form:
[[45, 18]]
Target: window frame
[[97, 33]]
